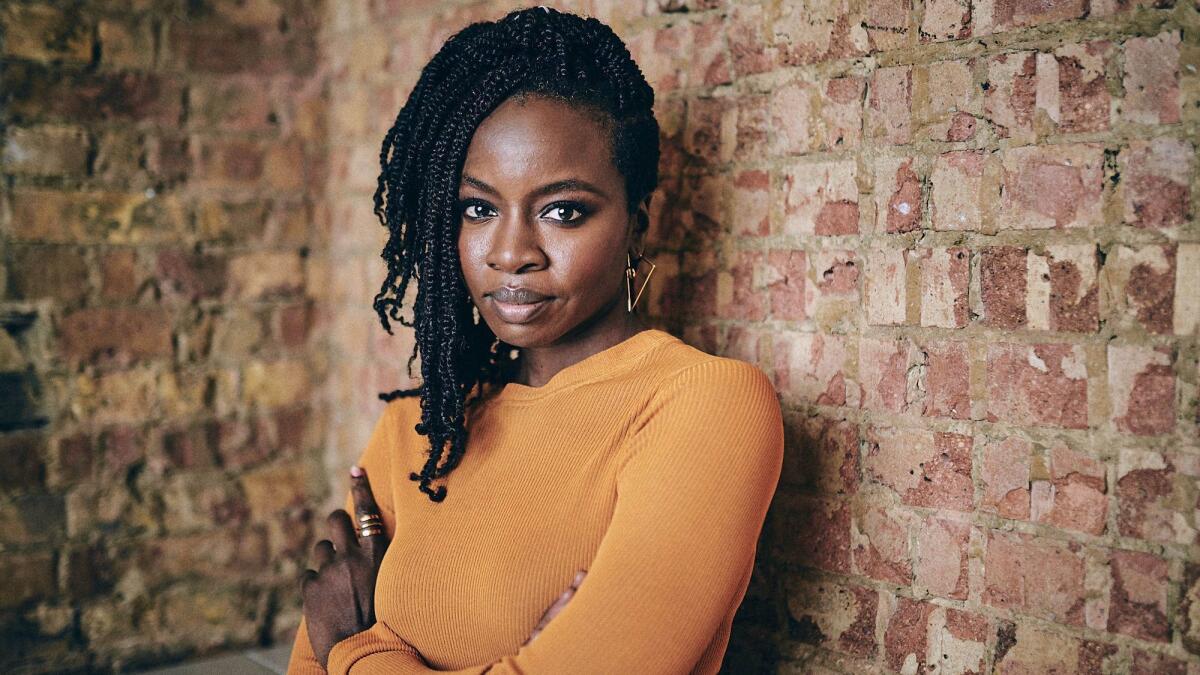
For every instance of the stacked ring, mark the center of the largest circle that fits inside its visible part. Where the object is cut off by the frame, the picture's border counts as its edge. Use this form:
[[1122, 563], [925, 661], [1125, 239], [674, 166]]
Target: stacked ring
[[370, 525]]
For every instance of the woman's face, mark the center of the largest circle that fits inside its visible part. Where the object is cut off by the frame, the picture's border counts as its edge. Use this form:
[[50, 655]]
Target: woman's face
[[545, 223]]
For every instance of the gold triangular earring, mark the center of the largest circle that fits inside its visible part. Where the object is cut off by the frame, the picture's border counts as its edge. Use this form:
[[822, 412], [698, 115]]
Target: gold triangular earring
[[631, 301]]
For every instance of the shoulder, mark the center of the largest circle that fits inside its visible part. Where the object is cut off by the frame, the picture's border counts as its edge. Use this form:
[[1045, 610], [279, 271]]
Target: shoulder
[[680, 367]]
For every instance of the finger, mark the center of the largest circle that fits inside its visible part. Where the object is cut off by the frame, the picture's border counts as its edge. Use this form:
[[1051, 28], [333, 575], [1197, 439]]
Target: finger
[[341, 531], [322, 553], [367, 515]]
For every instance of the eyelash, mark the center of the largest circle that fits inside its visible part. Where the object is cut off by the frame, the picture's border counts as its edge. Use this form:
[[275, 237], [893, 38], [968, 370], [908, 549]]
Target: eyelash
[[581, 210]]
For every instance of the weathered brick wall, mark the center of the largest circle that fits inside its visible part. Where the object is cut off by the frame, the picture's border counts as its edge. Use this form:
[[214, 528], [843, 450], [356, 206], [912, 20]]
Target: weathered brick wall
[[962, 239], [161, 420]]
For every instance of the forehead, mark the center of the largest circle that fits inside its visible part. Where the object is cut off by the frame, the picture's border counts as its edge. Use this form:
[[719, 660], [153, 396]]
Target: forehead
[[535, 139]]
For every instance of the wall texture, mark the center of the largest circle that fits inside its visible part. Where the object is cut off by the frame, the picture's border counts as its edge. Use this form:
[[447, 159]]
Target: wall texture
[[960, 235]]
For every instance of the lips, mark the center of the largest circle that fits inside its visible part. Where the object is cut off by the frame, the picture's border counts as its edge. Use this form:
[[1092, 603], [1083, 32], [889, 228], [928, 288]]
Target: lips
[[517, 305]]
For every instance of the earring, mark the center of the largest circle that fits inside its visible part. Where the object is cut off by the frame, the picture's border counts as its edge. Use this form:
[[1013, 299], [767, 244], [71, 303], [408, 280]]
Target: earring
[[630, 274]]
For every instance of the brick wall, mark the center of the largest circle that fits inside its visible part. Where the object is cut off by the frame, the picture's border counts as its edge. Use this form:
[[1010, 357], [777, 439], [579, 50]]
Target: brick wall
[[961, 237], [160, 416]]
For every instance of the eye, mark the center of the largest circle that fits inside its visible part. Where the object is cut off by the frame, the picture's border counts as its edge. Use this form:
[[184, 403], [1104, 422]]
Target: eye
[[567, 212], [476, 210]]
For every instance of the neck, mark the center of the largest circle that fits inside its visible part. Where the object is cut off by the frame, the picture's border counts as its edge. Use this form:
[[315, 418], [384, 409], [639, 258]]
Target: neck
[[539, 364]]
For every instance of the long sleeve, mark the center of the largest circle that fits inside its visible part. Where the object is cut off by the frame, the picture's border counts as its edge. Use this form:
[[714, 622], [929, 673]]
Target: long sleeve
[[698, 474], [376, 459]]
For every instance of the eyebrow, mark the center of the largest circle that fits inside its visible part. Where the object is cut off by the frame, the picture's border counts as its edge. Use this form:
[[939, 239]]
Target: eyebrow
[[569, 184]]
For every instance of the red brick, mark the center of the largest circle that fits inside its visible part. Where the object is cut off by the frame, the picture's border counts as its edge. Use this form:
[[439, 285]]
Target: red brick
[[1141, 386], [941, 557], [127, 43], [822, 454], [1036, 576], [889, 105], [883, 370], [69, 217], [1155, 496], [244, 48], [1005, 476], [1055, 186], [899, 195], [92, 96], [820, 198], [1142, 285], [825, 524], [191, 447], [832, 297], [236, 105], [293, 323], [945, 273], [58, 272], [753, 123], [880, 551], [707, 63], [116, 335], [42, 32], [1033, 93], [832, 616], [739, 288], [1151, 79], [1151, 663], [808, 116], [265, 274], [813, 33], [122, 447], [659, 51], [947, 380], [229, 163], [1075, 497], [22, 459], [189, 275], [1020, 13], [1139, 596], [747, 32], [925, 468], [958, 641], [1155, 176], [46, 150], [788, 284], [957, 193], [887, 23], [1003, 277], [906, 635], [886, 282], [1024, 648], [811, 368], [946, 20], [751, 203], [29, 577], [1073, 303], [954, 104], [1041, 385], [1189, 608]]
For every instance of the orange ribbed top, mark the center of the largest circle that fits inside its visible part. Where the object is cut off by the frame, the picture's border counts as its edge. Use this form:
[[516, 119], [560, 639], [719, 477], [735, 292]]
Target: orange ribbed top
[[650, 464]]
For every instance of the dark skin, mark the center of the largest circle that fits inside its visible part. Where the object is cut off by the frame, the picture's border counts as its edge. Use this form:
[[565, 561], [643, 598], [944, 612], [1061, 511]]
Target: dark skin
[[543, 208]]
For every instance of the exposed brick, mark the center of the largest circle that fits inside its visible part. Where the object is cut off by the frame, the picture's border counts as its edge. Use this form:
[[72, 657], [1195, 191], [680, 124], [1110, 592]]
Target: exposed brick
[[1036, 576], [886, 287], [947, 380], [822, 454], [787, 283], [1023, 647], [811, 368], [888, 24], [953, 107], [265, 274], [1151, 79], [1155, 176], [1034, 93], [42, 32], [946, 20], [58, 272], [905, 639], [1189, 608], [945, 273], [256, 48], [1075, 496], [940, 558], [925, 468], [127, 44], [116, 335], [957, 194], [29, 577], [1141, 386], [883, 371], [22, 463], [746, 32], [826, 547], [1003, 272], [1139, 596], [1042, 385], [889, 105], [272, 384], [820, 32], [740, 288], [48, 150], [1153, 663], [899, 195], [809, 116], [1055, 186], [832, 297], [834, 616], [751, 203], [958, 641], [1005, 475], [120, 277], [707, 61], [189, 276], [994, 17], [820, 198], [1153, 499], [92, 96], [879, 540]]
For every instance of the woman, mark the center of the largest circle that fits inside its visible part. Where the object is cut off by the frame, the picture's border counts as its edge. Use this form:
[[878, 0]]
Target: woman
[[607, 465]]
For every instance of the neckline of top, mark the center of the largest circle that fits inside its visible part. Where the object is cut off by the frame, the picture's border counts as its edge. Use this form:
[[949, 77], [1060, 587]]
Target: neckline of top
[[605, 361]]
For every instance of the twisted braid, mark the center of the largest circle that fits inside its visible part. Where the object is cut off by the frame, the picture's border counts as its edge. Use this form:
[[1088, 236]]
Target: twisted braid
[[534, 51]]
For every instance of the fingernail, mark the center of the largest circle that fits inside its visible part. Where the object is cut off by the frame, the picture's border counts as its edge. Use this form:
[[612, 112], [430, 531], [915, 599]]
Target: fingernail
[[579, 576], [356, 471]]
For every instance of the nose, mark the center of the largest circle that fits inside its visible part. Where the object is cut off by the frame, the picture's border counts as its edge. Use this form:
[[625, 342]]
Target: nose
[[515, 246]]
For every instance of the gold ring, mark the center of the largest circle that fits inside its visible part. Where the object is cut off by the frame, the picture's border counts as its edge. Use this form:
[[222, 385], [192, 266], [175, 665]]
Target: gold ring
[[368, 517], [370, 530]]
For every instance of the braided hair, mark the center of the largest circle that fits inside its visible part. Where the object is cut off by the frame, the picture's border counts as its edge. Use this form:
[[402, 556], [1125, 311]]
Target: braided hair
[[537, 52]]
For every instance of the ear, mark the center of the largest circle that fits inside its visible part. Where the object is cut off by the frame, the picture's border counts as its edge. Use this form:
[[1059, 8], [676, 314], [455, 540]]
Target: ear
[[639, 224]]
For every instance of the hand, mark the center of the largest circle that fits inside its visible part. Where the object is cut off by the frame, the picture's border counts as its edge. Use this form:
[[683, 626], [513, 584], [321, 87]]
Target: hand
[[339, 597], [557, 606]]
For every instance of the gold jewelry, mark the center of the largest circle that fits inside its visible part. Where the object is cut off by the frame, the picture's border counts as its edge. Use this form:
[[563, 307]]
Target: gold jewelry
[[370, 525], [630, 274]]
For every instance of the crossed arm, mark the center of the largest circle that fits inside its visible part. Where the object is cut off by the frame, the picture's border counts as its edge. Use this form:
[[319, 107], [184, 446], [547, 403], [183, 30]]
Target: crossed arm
[[692, 494]]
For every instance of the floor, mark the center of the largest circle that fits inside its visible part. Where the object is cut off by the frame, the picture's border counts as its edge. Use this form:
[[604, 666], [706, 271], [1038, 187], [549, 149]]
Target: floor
[[250, 662]]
